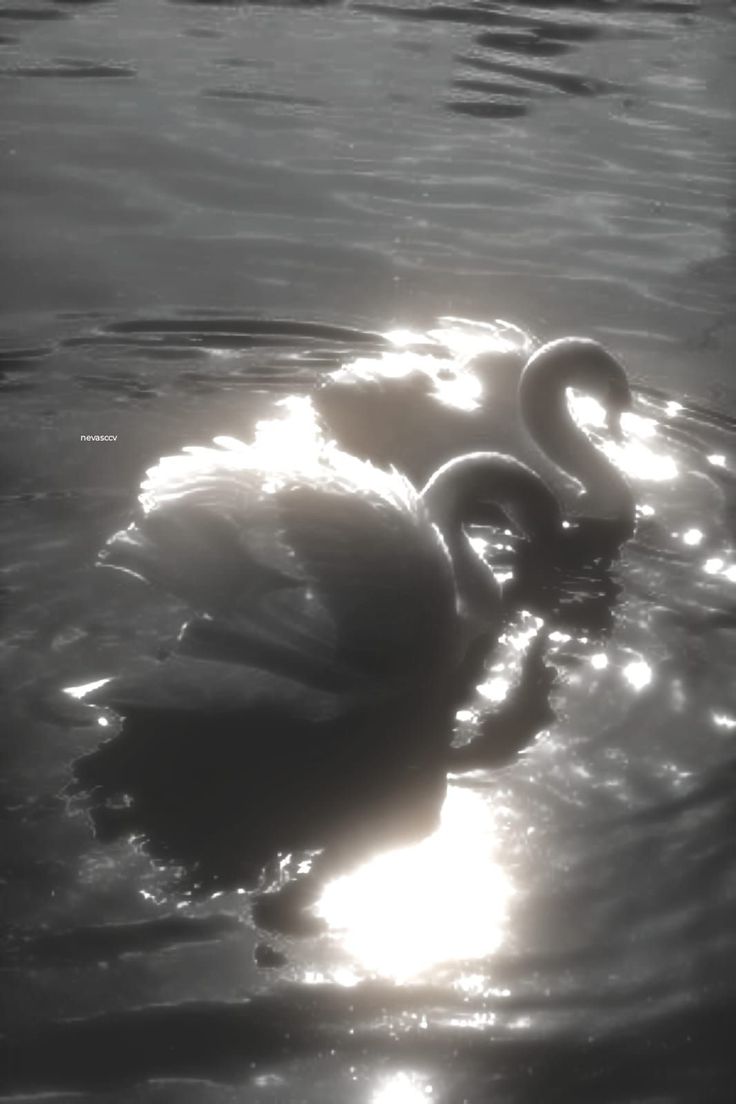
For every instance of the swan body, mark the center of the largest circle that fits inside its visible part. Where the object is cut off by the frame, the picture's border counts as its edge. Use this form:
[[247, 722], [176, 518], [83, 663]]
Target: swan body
[[338, 618], [296, 557], [505, 398], [323, 569]]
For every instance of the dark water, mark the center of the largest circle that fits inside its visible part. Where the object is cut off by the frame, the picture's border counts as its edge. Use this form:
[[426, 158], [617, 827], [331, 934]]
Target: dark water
[[211, 204]]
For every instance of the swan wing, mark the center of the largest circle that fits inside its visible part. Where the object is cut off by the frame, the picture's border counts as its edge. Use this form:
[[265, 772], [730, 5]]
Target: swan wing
[[208, 533], [326, 569], [381, 568]]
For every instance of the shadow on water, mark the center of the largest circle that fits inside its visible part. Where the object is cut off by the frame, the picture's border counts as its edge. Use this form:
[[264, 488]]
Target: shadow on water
[[222, 796]]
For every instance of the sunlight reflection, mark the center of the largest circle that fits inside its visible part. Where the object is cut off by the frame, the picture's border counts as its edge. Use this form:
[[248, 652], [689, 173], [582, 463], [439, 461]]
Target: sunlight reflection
[[633, 457], [599, 661], [587, 411], [269, 1081], [716, 565], [638, 461], [638, 674], [465, 338], [473, 985], [444, 379], [284, 448], [693, 536], [462, 390], [527, 628], [393, 365], [638, 426], [479, 545], [723, 720], [403, 338], [342, 976], [402, 1088], [495, 689], [718, 460], [80, 692], [443, 899]]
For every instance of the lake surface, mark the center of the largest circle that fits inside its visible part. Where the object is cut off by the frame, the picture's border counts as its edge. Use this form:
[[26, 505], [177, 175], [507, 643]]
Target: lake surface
[[210, 205]]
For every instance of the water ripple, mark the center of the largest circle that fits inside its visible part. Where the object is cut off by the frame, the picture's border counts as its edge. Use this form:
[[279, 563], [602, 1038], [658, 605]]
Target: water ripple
[[72, 68]]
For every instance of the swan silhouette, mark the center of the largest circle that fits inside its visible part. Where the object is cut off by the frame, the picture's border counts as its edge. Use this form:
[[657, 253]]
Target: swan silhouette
[[505, 399], [338, 618], [299, 566]]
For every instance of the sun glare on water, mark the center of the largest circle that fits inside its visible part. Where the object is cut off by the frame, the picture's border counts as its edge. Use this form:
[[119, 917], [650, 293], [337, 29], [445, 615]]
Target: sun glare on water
[[440, 900], [634, 456], [402, 1088]]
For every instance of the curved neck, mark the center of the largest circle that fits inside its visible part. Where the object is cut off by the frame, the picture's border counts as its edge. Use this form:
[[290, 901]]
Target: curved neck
[[586, 365], [477, 589], [473, 489]]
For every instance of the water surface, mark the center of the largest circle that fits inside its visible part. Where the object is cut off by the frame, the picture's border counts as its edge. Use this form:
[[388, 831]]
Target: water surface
[[209, 206]]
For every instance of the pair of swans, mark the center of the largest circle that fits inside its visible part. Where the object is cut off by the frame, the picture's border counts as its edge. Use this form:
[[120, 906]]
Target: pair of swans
[[327, 570], [335, 606]]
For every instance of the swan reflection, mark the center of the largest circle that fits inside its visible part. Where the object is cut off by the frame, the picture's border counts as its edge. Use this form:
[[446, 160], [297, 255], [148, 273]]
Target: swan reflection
[[443, 899]]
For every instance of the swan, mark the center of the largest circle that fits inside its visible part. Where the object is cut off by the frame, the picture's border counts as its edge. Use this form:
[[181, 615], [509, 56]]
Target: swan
[[298, 564], [416, 410], [338, 614]]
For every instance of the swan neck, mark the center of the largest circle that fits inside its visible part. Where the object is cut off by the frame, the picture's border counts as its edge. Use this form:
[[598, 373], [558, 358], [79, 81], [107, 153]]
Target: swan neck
[[545, 410], [450, 497]]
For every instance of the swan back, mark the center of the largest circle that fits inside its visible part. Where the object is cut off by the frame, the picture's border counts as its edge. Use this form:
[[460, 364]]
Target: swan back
[[418, 410]]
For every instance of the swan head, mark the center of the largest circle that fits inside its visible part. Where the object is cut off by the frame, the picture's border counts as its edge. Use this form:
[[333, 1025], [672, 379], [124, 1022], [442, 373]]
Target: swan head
[[583, 364], [483, 487]]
